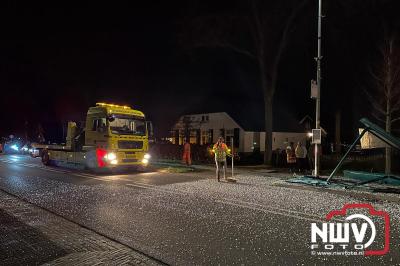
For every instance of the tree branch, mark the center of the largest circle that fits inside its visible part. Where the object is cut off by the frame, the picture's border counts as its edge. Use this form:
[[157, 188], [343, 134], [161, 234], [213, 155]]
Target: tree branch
[[378, 80], [395, 120], [227, 45], [284, 40], [378, 118], [257, 31], [238, 50], [396, 104], [374, 103]]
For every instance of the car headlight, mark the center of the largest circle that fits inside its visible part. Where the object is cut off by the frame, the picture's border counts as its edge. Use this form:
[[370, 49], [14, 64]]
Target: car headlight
[[111, 156], [114, 162], [14, 147], [147, 156]]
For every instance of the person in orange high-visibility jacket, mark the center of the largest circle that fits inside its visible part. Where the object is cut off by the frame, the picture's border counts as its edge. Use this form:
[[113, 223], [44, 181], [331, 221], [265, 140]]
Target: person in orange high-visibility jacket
[[221, 151], [186, 158], [291, 157]]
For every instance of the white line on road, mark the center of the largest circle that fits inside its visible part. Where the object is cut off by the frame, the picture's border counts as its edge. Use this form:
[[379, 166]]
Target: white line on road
[[256, 205], [155, 188], [242, 204], [268, 210], [232, 202], [56, 170]]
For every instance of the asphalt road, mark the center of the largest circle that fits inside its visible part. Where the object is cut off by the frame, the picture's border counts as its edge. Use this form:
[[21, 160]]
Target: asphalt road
[[184, 219]]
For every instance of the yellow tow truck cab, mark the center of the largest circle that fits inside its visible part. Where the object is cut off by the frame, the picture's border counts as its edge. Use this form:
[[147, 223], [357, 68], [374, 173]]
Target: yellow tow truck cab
[[114, 136]]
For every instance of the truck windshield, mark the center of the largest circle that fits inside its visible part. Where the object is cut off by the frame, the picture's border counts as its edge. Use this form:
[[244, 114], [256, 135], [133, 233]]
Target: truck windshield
[[127, 125]]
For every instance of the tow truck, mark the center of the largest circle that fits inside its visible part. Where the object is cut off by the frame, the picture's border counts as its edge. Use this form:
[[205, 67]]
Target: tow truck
[[114, 136]]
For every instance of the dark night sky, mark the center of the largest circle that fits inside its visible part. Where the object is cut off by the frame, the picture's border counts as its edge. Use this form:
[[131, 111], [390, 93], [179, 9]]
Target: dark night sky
[[56, 61]]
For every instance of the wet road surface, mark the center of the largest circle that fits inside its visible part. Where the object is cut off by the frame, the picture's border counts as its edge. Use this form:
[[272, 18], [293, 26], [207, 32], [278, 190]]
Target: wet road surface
[[186, 219]]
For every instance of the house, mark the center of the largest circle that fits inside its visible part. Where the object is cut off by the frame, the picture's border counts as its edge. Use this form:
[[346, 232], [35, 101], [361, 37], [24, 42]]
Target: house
[[247, 133], [370, 141]]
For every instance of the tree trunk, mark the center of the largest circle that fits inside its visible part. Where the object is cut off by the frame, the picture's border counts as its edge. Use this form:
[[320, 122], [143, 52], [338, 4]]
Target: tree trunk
[[338, 146], [268, 89], [268, 102], [388, 94], [388, 149]]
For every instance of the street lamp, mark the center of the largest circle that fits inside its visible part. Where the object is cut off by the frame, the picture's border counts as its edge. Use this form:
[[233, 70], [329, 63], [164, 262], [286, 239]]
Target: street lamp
[[318, 96]]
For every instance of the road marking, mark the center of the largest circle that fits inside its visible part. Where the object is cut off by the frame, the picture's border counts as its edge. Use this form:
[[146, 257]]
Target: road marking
[[155, 188], [256, 205], [56, 170], [265, 209], [232, 202], [137, 185], [87, 175], [242, 204]]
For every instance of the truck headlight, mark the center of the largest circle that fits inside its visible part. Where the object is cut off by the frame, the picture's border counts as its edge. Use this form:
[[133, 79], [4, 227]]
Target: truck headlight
[[147, 156], [114, 162], [145, 161], [111, 156]]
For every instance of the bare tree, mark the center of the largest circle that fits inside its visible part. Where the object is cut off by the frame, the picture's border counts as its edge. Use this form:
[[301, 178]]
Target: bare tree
[[187, 124], [40, 133], [187, 127], [385, 94], [260, 31]]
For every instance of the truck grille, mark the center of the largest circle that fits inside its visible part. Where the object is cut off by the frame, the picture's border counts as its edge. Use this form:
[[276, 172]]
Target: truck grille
[[127, 144], [129, 160]]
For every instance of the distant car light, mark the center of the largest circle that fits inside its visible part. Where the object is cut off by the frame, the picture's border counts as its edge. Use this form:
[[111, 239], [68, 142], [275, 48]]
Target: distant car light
[[14, 147], [147, 156], [145, 161]]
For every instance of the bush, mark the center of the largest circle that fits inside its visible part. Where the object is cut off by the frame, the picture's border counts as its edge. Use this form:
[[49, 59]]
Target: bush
[[199, 153]]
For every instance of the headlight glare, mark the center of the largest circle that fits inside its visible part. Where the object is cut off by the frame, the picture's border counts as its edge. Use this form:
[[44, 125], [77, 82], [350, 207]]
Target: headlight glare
[[111, 156]]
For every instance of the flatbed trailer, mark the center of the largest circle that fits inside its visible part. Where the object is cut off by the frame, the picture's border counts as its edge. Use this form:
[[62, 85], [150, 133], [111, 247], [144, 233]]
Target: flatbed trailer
[[114, 136]]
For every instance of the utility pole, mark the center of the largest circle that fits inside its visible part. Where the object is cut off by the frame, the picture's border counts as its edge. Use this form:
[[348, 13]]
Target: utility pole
[[232, 147], [318, 99]]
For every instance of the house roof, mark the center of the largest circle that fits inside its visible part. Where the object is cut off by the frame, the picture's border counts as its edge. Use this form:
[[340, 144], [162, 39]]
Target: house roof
[[250, 120], [283, 121]]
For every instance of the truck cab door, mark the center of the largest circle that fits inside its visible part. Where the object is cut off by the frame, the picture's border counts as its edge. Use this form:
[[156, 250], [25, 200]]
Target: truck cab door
[[97, 135], [149, 128], [150, 132]]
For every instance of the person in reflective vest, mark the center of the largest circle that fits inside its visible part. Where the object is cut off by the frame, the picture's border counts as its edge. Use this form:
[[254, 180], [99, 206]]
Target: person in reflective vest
[[291, 157], [187, 158], [221, 150]]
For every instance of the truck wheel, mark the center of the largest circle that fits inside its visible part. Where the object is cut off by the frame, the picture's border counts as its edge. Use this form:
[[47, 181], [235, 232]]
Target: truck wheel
[[45, 158]]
